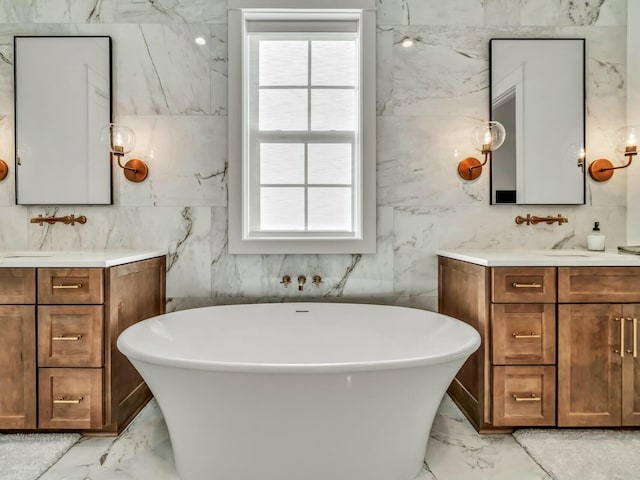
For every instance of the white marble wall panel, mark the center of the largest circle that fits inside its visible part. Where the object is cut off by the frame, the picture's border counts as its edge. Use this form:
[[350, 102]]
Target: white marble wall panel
[[7, 186], [445, 71], [113, 11], [258, 276], [501, 12], [384, 66], [430, 12], [421, 231], [570, 12], [219, 69], [417, 161], [159, 69], [13, 227], [187, 158], [183, 231]]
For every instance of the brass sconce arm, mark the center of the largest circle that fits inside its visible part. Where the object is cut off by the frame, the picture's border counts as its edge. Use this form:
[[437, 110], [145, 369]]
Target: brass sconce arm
[[602, 169], [533, 220], [135, 170]]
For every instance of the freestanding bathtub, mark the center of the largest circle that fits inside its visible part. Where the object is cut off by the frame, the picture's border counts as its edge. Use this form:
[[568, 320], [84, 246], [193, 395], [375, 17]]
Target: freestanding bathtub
[[299, 391]]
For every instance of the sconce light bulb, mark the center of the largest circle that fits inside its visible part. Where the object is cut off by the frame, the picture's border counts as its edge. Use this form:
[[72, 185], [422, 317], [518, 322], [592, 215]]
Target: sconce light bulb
[[631, 140], [407, 42], [118, 140]]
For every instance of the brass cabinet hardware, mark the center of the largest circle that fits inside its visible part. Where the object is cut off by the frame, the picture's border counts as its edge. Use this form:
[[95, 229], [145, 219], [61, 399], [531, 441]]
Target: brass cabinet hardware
[[526, 285], [531, 398], [67, 338], [521, 335], [66, 287], [635, 338], [533, 220], [68, 401], [622, 324], [286, 280], [67, 220]]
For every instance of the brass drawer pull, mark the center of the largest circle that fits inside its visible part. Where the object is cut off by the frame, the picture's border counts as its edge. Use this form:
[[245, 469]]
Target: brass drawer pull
[[526, 285], [522, 335], [530, 398], [67, 338], [61, 286], [67, 401]]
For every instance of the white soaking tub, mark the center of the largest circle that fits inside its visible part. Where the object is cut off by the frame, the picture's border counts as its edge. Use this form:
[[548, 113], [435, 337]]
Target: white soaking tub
[[299, 391]]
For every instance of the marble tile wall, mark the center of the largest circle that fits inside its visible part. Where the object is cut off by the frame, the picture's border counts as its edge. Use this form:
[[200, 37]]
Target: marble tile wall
[[174, 94]]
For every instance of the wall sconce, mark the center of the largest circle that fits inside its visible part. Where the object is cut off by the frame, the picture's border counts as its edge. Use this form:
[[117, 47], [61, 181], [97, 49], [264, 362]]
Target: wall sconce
[[602, 169], [486, 138], [4, 170], [121, 140]]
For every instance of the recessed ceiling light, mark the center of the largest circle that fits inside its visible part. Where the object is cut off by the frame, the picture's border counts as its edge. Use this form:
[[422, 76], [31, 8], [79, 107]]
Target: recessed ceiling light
[[200, 41], [407, 42]]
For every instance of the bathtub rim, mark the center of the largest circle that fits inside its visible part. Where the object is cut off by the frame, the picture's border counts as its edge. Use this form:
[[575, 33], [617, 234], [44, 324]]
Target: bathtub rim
[[462, 350]]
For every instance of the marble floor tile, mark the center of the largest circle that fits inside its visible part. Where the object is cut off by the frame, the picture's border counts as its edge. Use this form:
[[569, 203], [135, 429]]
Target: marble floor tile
[[143, 451], [457, 452]]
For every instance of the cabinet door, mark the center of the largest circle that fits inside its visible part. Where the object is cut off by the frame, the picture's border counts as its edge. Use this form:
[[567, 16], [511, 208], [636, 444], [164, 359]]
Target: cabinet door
[[17, 367], [631, 367], [589, 365]]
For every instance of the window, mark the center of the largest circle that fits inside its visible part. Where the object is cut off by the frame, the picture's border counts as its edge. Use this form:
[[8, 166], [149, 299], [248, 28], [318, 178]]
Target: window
[[301, 130]]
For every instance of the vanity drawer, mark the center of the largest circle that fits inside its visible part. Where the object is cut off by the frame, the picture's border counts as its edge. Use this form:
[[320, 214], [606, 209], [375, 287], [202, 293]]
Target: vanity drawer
[[523, 333], [70, 398], [598, 284], [70, 336], [524, 396], [17, 286], [523, 284], [70, 285]]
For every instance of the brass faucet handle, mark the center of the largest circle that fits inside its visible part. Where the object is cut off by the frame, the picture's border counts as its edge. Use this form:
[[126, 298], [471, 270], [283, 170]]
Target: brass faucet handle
[[286, 280], [317, 280]]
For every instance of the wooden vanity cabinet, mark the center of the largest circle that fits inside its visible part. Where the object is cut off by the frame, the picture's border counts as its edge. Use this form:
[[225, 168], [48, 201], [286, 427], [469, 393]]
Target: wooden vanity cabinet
[[17, 348], [59, 365], [598, 364], [513, 380]]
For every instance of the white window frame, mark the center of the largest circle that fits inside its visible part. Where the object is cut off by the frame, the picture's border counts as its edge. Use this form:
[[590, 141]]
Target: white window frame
[[241, 239]]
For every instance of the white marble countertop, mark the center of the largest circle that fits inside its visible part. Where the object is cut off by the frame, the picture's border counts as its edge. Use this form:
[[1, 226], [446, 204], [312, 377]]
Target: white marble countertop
[[74, 259], [542, 258]]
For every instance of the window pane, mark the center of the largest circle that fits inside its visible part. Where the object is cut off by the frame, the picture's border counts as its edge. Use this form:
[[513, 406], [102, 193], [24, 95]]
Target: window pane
[[333, 109], [283, 110], [333, 63], [283, 63], [282, 208], [282, 163], [330, 163], [330, 209]]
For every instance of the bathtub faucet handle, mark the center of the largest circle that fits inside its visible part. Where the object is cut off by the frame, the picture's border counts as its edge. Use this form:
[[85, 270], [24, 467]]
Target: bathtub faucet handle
[[286, 280], [301, 280], [317, 280]]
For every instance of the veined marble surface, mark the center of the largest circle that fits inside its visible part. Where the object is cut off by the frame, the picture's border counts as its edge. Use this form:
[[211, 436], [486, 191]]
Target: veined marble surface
[[543, 258], [143, 452], [429, 98], [85, 258]]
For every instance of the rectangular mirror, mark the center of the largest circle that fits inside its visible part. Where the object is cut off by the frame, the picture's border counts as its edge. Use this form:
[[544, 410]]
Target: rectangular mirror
[[62, 103], [537, 91]]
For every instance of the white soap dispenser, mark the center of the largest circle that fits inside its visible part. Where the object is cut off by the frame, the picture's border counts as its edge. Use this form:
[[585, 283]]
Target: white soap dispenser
[[596, 240]]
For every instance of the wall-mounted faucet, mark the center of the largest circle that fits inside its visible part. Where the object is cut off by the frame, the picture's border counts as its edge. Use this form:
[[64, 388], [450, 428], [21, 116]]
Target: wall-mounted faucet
[[301, 280]]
